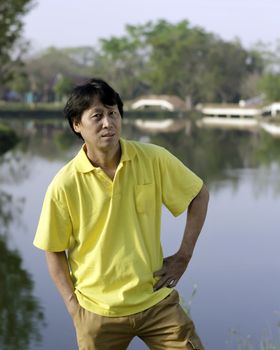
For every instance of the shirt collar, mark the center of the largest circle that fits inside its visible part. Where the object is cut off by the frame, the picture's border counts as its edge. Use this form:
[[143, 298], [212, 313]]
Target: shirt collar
[[84, 165], [128, 152]]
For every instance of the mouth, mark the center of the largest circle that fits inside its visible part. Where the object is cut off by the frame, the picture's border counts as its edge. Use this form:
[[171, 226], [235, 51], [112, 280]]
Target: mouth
[[108, 135]]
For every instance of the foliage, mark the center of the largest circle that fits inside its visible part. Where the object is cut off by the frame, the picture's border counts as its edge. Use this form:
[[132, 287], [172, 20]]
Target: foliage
[[62, 86], [53, 72], [250, 86], [123, 61], [157, 58], [177, 56], [44, 70], [180, 60], [270, 55], [11, 47], [270, 85], [269, 82]]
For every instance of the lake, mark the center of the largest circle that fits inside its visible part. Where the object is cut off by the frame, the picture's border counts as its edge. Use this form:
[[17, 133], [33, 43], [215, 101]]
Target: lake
[[231, 283]]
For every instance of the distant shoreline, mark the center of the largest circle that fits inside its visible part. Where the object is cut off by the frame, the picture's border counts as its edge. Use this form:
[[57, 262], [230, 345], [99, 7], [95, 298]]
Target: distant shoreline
[[57, 113]]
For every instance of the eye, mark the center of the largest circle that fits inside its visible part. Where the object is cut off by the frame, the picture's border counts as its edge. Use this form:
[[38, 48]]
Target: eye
[[97, 115], [113, 113]]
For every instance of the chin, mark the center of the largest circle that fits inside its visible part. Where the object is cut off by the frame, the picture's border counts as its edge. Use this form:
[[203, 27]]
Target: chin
[[109, 142]]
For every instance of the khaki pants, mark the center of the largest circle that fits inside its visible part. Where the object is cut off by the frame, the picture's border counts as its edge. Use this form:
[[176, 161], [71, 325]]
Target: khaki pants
[[164, 326]]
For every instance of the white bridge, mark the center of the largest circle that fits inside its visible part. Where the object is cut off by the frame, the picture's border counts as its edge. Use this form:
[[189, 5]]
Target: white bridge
[[163, 102], [144, 103]]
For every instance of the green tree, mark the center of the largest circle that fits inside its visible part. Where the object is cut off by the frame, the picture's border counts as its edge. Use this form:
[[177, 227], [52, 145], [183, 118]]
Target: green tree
[[12, 47], [62, 86], [270, 85], [178, 59], [156, 57], [20, 82], [44, 68], [270, 55], [188, 61], [250, 86], [123, 61], [226, 67]]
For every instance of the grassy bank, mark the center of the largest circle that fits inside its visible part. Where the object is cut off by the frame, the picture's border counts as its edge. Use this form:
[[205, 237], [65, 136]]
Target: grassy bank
[[20, 106], [8, 138]]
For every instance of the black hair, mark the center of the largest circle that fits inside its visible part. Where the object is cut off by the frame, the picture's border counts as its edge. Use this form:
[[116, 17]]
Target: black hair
[[82, 97]]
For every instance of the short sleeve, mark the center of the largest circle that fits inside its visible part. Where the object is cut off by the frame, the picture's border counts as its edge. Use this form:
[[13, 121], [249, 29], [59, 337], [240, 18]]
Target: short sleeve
[[54, 227], [179, 184]]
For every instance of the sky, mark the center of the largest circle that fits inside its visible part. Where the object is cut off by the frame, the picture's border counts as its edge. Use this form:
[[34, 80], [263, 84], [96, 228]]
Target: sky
[[72, 23]]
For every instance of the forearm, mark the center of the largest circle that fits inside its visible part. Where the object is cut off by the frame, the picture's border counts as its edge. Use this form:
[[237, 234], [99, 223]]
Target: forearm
[[175, 265], [60, 274], [195, 219]]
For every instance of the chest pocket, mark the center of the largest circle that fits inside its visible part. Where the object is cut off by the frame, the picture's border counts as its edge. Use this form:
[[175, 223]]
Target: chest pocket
[[145, 198]]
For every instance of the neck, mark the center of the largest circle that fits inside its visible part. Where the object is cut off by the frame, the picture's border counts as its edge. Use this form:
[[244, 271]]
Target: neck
[[105, 159]]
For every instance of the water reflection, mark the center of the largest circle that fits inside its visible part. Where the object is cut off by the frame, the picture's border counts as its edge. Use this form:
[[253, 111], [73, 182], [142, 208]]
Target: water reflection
[[216, 154], [10, 212], [21, 316], [212, 153], [238, 167]]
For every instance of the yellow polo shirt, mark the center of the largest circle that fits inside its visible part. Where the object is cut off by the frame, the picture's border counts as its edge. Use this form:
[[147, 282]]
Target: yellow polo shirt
[[111, 229]]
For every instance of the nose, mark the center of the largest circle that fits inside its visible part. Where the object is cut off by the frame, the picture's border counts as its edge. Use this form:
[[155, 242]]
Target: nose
[[106, 120]]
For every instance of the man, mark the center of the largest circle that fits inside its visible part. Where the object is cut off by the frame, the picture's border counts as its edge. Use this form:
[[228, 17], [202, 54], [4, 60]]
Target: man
[[100, 228]]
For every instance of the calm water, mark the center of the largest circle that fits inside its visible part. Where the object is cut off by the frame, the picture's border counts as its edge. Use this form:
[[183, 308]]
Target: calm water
[[234, 271]]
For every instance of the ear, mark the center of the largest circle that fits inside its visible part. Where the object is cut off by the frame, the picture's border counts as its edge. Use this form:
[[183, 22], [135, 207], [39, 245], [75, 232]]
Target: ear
[[76, 125]]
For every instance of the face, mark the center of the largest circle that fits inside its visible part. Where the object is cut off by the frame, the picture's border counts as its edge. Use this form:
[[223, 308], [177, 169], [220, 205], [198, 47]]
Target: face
[[100, 127]]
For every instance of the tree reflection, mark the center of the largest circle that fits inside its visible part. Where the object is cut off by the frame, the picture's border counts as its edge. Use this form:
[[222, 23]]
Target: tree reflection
[[216, 154], [21, 316], [51, 140], [210, 153], [10, 211], [268, 149]]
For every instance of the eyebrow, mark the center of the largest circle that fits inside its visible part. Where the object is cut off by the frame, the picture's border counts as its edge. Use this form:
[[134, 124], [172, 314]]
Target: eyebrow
[[96, 110], [111, 107]]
